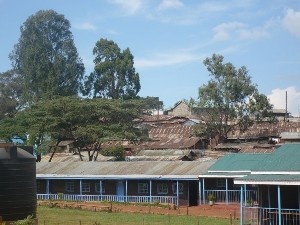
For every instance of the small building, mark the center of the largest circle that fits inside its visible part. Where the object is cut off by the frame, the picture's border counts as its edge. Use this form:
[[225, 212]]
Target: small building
[[180, 109], [290, 137], [277, 178], [174, 182]]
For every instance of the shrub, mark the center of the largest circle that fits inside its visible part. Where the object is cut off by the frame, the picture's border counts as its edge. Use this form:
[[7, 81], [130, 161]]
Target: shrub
[[115, 151]]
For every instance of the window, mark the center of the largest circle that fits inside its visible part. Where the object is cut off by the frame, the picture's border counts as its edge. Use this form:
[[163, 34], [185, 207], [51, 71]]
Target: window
[[97, 188], [143, 188], [70, 187], [162, 188], [180, 188], [221, 183], [86, 187]]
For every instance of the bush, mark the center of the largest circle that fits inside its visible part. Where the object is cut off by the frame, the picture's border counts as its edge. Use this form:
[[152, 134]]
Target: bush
[[115, 151], [211, 198], [28, 221]]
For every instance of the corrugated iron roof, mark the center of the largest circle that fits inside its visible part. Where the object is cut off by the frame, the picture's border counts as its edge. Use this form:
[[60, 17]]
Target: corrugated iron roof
[[246, 147], [168, 152], [290, 135], [130, 170], [236, 162], [71, 157], [286, 158], [267, 130], [179, 131], [275, 179], [169, 143]]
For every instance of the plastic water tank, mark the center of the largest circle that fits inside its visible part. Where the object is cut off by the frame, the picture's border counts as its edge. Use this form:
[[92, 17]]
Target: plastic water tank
[[17, 183]]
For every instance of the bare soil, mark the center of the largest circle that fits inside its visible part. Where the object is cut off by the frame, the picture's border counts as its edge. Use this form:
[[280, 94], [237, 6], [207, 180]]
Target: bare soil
[[217, 210]]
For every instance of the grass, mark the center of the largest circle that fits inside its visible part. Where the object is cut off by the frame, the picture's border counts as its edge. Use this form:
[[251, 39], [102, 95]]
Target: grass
[[58, 216]]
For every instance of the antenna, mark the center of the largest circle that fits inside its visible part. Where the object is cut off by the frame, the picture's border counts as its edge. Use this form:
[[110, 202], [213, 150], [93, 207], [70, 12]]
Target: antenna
[[286, 113]]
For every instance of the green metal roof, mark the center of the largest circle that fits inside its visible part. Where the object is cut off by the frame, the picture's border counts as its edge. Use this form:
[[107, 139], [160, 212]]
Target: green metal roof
[[285, 158], [283, 179], [237, 162]]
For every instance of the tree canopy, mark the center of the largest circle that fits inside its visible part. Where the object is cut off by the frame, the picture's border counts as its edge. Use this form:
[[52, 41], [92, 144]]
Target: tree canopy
[[10, 93], [46, 58], [230, 98], [89, 122], [114, 75]]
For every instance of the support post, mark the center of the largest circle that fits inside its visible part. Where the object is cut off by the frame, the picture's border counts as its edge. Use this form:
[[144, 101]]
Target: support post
[[101, 189], [150, 191], [199, 190], [299, 198], [47, 186], [245, 192], [203, 193], [80, 187], [226, 193], [126, 189], [241, 206], [279, 204], [177, 193]]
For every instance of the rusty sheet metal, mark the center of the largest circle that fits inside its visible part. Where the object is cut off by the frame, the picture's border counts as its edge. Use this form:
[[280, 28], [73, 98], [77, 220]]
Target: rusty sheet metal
[[248, 147], [167, 169], [267, 130], [178, 131], [170, 143]]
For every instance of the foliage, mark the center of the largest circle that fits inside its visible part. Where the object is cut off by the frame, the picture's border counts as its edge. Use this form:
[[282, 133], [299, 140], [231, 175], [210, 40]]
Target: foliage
[[28, 221], [10, 93], [231, 99], [211, 197], [87, 121], [115, 151], [114, 75], [46, 57]]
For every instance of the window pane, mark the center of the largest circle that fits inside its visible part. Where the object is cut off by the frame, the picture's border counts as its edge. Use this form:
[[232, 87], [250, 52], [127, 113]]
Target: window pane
[[97, 187], [162, 188], [143, 188], [180, 188]]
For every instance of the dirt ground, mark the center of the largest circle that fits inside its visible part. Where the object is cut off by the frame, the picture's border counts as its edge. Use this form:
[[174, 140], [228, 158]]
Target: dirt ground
[[217, 210]]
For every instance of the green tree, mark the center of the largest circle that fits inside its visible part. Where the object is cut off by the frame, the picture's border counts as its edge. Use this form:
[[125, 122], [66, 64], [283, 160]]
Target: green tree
[[231, 99], [114, 75], [46, 57], [10, 93], [89, 122], [115, 151]]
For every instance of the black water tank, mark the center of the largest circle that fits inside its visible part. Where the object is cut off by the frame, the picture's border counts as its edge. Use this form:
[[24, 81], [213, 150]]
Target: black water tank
[[17, 183]]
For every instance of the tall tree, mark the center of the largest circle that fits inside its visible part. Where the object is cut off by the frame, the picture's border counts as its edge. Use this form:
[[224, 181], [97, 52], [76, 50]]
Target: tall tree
[[114, 75], [46, 57], [10, 93], [89, 122], [231, 99]]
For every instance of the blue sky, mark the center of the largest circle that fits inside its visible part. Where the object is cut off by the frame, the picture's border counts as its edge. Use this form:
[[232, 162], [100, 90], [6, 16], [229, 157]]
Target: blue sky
[[170, 39]]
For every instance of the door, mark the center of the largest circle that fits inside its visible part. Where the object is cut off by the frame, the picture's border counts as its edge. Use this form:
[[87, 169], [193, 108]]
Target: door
[[120, 191]]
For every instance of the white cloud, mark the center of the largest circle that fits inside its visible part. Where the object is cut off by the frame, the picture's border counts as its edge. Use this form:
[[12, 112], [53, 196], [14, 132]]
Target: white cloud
[[213, 7], [130, 7], [278, 99], [170, 4], [228, 31], [85, 26], [224, 31], [291, 22], [167, 59]]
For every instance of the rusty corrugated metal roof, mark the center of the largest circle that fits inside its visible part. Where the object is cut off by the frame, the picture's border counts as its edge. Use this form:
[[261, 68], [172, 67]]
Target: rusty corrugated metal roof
[[267, 130], [170, 143], [130, 170], [178, 131]]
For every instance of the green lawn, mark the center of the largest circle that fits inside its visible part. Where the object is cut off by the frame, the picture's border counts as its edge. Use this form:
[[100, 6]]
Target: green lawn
[[57, 216]]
